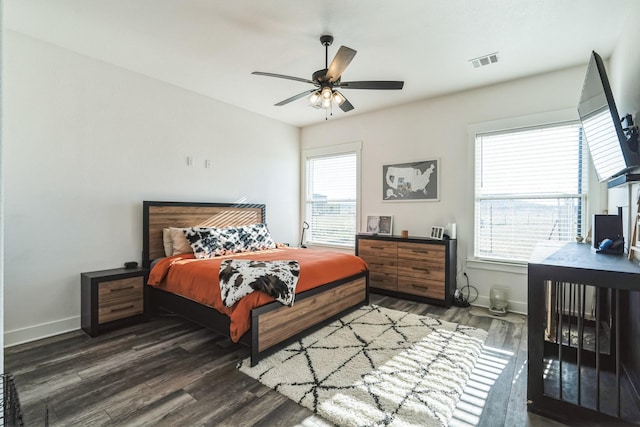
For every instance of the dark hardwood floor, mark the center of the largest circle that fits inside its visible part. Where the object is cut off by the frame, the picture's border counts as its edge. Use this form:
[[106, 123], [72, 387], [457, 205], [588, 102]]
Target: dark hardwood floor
[[171, 372]]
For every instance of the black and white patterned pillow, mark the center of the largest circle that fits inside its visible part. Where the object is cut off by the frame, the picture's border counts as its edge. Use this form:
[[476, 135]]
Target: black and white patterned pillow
[[255, 237], [208, 242]]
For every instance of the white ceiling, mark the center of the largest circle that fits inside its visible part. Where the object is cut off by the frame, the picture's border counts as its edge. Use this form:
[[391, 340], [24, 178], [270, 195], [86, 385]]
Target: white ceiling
[[211, 46]]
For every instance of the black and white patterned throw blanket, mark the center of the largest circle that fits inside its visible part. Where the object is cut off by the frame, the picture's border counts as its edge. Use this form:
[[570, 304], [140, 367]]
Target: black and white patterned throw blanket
[[241, 277]]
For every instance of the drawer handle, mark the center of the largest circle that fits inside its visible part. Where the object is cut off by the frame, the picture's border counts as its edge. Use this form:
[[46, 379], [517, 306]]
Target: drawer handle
[[128, 307], [419, 251], [420, 269], [377, 247], [375, 263], [122, 289], [413, 285]]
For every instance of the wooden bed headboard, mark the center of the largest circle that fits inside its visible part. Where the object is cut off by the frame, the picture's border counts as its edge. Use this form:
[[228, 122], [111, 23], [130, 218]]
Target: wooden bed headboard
[[159, 215]]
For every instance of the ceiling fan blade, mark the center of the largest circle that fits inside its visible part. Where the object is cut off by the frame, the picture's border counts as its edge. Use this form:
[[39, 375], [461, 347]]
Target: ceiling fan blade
[[282, 76], [340, 62], [380, 85], [346, 105], [294, 97]]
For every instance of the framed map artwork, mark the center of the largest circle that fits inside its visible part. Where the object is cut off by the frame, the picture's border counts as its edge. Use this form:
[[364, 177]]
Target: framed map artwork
[[415, 181]]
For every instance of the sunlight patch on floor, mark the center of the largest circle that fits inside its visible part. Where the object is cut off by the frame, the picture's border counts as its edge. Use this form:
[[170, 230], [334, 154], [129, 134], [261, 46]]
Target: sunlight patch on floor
[[488, 368]]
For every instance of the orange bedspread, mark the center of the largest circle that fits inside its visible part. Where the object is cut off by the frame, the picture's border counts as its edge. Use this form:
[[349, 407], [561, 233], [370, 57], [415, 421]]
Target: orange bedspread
[[197, 279]]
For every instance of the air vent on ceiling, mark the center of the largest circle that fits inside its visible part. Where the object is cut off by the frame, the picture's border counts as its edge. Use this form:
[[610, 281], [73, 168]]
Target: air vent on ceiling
[[481, 61]]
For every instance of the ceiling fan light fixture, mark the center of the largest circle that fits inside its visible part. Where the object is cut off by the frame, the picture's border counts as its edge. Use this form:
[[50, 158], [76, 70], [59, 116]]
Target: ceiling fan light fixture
[[327, 93], [338, 98], [314, 97]]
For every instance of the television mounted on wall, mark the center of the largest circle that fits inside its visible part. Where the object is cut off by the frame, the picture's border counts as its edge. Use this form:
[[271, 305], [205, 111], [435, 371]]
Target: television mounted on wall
[[613, 149]]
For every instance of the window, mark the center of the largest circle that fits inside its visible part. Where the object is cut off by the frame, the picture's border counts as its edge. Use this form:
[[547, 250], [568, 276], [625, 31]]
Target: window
[[331, 195], [530, 185]]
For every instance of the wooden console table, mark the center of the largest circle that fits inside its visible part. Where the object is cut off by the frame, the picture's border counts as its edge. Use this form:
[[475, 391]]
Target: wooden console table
[[578, 300]]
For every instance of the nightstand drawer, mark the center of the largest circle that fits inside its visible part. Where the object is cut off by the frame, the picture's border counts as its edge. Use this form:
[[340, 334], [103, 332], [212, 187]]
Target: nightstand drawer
[[120, 310], [118, 299], [114, 291]]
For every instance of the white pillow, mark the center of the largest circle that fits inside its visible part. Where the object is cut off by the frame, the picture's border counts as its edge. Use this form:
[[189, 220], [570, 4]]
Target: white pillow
[[167, 242]]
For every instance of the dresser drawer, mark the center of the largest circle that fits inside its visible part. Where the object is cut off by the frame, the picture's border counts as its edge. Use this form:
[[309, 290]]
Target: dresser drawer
[[378, 263], [377, 248], [383, 281], [382, 272], [434, 270], [421, 287], [420, 252]]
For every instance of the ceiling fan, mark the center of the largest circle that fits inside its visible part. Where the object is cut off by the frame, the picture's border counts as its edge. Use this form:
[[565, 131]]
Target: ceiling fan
[[327, 81]]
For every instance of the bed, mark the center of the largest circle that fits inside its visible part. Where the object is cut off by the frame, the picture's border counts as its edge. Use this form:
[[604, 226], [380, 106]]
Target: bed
[[269, 323]]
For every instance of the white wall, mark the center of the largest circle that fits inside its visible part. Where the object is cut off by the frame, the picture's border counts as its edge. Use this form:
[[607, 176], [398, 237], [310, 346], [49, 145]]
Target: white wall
[[624, 77], [84, 143], [1, 211], [438, 128], [624, 66]]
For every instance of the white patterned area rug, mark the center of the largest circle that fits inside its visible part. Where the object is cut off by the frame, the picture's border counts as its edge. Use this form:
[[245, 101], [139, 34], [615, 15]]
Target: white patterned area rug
[[376, 367]]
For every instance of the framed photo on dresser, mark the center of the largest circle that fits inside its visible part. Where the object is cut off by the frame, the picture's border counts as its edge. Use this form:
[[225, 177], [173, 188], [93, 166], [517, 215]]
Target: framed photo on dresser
[[379, 224]]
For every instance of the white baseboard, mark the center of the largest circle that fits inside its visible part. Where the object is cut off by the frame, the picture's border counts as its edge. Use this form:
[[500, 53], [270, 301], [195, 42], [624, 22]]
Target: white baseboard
[[514, 306], [43, 330]]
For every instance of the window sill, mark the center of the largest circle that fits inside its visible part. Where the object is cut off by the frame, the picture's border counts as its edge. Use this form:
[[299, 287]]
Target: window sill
[[501, 266], [345, 249]]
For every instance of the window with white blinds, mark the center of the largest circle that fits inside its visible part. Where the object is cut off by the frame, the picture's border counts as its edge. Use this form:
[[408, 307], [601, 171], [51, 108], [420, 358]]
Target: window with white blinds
[[331, 198], [530, 186]]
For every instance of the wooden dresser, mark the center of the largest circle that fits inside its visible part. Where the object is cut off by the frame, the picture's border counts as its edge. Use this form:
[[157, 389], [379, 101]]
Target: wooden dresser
[[416, 268]]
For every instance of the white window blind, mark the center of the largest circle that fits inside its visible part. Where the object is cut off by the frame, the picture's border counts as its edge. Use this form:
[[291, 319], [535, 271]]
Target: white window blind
[[530, 186], [330, 199]]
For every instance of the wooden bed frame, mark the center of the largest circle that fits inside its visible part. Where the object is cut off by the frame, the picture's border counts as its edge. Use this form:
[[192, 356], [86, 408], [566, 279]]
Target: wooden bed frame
[[272, 325]]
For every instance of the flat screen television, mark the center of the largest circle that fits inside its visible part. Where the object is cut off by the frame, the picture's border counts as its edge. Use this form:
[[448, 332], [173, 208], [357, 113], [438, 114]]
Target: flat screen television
[[612, 152]]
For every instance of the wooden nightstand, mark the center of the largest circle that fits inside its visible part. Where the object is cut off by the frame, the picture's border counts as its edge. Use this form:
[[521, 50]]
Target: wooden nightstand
[[111, 298]]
